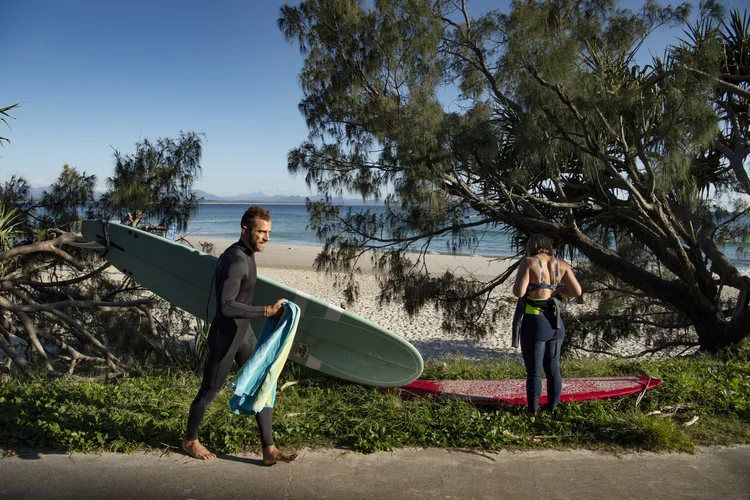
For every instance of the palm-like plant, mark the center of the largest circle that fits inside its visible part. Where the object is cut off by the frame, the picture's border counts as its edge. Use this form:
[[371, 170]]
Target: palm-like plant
[[9, 224], [735, 37], [4, 116]]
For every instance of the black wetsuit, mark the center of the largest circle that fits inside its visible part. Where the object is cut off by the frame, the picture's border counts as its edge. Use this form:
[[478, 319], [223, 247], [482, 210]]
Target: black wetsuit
[[542, 336], [231, 338]]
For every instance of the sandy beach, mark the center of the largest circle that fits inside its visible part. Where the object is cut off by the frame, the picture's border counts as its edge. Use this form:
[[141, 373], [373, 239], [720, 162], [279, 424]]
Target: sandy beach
[[294, 266]]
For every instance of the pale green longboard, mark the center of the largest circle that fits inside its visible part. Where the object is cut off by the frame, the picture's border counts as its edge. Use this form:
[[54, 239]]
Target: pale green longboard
[[329, 339]]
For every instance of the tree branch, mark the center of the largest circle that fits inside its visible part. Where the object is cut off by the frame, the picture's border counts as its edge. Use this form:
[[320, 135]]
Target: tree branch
[[80, 304], [31, 331], [47, 246], [6, 346], [73, 281]]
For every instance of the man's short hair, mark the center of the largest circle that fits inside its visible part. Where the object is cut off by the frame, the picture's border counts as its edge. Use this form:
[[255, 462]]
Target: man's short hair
[[253, 213]]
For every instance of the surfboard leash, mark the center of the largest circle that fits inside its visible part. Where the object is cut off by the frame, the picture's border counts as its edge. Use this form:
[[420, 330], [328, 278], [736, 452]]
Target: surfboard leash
[[105, 231], [210, 291]]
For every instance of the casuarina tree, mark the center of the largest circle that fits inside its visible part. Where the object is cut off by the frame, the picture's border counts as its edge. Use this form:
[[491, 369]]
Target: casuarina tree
[[152, 188], [549, 118], [61, 309]]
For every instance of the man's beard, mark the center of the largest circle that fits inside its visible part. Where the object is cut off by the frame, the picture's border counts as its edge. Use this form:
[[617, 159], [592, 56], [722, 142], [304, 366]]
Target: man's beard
[[249, 243]]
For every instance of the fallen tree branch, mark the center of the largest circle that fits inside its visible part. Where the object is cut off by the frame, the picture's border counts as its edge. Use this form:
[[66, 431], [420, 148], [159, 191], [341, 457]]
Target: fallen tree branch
[[50, 246], [72, 281], [145, 311], [644, 352], [7, 346], [80, 304], [31, 332], [74, 354], [112, 361], [85, 335]]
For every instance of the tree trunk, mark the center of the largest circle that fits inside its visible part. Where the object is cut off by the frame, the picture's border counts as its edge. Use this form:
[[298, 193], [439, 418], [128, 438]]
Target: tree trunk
[[713, 329]]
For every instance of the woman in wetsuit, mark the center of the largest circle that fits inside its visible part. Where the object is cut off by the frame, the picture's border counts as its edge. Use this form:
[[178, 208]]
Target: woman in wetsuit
[[540, 279]]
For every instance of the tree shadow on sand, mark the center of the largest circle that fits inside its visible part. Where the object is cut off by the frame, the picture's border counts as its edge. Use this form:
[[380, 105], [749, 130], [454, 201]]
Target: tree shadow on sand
[[463, 348]]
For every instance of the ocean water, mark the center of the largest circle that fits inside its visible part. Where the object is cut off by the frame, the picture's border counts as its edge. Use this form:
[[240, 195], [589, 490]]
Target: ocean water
[[222, 220]]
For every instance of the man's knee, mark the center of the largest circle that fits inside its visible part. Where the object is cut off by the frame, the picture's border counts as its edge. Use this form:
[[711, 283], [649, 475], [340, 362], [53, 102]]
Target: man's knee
[[207, 395]]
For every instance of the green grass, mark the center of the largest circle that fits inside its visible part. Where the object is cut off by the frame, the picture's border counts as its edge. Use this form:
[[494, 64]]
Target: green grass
[[150, 411]]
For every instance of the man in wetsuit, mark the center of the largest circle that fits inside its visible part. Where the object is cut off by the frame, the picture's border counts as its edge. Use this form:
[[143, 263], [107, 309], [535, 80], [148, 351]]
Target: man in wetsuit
[[231, 338]]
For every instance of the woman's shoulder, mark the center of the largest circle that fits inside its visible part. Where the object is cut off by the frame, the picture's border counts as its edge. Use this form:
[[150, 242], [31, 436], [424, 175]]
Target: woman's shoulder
[[563, 263], [527, 261]]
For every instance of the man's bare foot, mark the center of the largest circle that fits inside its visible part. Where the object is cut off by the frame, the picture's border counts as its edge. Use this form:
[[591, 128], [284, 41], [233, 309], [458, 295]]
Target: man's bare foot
[[271, 455], [196, 450]]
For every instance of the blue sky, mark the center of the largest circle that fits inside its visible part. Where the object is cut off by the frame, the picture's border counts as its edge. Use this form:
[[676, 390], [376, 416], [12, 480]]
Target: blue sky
[[96, 76], [93, 76]]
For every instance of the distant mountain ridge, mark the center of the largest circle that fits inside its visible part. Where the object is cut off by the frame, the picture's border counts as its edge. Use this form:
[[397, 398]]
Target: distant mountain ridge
[[35, 193], [261, 197], [258, 196]]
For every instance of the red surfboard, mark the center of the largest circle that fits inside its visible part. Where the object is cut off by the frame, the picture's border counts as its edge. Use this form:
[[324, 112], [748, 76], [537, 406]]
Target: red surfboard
[[489, 392]]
